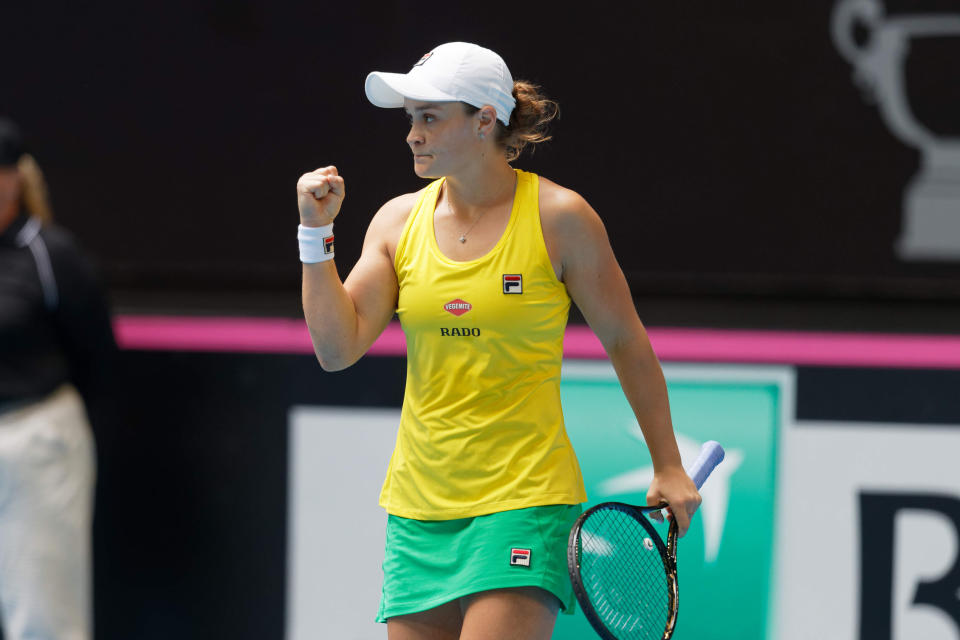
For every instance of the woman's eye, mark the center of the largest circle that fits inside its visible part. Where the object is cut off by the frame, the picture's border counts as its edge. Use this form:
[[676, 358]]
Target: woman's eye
[[425, 117]]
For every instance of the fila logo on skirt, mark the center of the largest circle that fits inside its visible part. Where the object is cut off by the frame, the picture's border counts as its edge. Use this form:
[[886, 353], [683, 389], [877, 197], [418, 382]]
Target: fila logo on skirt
[[512, 283], [519, 557]]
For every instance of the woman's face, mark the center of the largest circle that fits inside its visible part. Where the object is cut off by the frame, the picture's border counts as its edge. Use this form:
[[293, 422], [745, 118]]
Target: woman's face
[[442, 136]]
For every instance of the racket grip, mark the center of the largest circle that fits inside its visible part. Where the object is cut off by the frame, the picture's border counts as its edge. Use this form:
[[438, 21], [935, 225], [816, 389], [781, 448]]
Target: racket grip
[[711, 454]]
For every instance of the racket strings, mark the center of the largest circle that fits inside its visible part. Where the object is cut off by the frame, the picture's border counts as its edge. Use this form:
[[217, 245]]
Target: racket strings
[[623, 572]]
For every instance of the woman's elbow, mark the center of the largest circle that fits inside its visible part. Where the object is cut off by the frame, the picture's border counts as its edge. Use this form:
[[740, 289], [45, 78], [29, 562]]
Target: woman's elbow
[[334, 362]]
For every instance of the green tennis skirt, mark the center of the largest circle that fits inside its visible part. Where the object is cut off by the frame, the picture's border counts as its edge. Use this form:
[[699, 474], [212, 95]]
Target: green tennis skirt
[[430, 562]]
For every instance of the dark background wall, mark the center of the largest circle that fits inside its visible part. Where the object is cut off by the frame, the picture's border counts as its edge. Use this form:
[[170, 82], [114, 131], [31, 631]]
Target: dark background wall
[[191, 516], [725, 145]]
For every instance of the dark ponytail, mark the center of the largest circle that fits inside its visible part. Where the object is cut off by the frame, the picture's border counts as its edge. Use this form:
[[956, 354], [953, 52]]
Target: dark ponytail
[[529, 121]]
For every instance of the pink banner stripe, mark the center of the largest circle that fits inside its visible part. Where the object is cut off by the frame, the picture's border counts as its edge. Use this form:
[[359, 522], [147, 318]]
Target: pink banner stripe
[[174, 333], [279, 335], [787, 347], [811, 348]]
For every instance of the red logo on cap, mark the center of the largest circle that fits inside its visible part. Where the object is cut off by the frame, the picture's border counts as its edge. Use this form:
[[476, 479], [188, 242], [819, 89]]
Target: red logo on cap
[[458, 307], [425, 57]]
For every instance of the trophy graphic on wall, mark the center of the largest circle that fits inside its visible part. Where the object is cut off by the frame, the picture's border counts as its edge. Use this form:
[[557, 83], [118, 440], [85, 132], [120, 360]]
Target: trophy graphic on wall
[[931, 202]]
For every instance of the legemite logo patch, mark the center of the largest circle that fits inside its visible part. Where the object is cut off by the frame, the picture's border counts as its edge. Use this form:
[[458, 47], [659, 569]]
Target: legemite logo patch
[[425, 57], [512, 283], [328, 244], [458, 307], [520, 557]]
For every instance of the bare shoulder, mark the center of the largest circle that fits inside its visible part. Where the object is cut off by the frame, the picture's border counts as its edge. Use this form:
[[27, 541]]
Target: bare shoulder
[[395, 211], [387, 224], [563, 211]]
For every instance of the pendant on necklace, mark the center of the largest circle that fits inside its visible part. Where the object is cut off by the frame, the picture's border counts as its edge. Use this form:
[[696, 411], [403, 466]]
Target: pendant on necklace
[[463, 238]]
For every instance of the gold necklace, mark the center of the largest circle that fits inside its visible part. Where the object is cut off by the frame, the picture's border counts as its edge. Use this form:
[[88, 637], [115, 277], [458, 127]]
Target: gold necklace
[[463, 236]]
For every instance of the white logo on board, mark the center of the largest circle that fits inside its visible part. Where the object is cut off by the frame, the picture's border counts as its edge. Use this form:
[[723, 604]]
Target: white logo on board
[[931, 203], [715, 492]]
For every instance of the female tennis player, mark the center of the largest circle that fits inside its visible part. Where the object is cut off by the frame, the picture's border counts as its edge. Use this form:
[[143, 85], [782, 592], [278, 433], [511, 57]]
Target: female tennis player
[[481, 267]]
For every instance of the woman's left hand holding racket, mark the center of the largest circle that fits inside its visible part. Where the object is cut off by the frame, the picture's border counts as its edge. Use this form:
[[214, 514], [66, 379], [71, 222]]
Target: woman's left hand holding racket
[[672, 486]]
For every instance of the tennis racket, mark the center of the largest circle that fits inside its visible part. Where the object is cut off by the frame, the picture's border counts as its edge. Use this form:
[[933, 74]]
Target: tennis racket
[[624, 576]]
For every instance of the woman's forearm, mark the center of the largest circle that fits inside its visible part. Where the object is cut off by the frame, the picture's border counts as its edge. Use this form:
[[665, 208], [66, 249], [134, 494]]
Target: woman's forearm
[[641, 378]]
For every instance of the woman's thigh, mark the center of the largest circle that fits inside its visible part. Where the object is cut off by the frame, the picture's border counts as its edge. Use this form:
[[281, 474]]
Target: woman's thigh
[[440, 623], [518, 613]]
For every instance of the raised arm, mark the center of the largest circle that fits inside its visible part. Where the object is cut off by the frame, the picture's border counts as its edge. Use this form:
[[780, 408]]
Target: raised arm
[[597, 285], [345, 318]]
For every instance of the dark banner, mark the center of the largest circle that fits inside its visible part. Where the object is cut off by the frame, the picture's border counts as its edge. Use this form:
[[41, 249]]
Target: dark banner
[[191, 510], [801, 148], [191, 523]]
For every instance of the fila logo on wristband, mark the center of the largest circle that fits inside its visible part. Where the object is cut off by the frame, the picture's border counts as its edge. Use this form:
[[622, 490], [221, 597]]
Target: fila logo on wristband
[[316, 243]]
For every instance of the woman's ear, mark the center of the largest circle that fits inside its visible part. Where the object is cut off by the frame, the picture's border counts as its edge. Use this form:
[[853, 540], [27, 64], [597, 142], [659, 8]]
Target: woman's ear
[[488, 120]]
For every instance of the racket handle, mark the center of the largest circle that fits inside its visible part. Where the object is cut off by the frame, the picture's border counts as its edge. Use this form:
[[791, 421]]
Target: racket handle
[[711, 454]]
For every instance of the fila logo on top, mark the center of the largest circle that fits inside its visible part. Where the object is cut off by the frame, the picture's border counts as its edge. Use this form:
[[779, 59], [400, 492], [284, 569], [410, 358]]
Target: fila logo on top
[[425, 57], [512, 283]]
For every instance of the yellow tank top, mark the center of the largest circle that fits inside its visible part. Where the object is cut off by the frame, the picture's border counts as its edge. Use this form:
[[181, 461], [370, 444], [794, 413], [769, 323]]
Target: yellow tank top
[[481, 428]]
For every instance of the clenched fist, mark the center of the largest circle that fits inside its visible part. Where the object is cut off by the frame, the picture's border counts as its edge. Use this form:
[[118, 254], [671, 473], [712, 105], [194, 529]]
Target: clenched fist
[[319, 196]]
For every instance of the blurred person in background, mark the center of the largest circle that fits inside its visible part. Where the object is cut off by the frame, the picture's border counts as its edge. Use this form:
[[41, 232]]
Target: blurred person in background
[[56, 349]]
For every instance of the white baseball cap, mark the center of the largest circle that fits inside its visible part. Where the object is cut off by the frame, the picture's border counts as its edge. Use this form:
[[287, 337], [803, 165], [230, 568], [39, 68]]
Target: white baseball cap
[[453, 72]]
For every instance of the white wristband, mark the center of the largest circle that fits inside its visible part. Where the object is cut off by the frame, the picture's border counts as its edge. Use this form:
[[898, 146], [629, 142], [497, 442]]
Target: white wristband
[[316, 243]]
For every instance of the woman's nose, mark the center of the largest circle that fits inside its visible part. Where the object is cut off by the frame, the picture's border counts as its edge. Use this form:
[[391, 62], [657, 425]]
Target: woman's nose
[[414, 137]]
